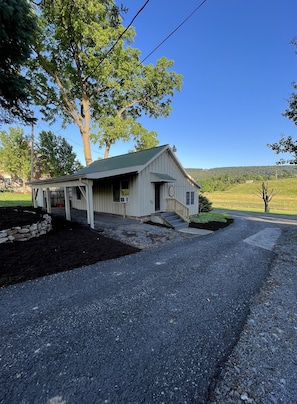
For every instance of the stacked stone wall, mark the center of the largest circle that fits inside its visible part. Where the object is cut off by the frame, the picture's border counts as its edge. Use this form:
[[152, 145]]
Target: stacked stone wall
[[23, 233]]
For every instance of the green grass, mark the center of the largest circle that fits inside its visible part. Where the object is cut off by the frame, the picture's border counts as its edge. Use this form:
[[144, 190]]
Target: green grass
[[206, 217], [242, 197], [15, 199]]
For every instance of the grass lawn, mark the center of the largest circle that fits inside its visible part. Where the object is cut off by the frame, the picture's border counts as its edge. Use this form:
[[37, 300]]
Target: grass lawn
[[15, 199], [243, 197], [206, 217]]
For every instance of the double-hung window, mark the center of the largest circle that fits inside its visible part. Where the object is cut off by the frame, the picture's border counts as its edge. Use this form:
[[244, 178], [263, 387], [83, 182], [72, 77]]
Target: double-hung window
[[120, 191], [190, 198]]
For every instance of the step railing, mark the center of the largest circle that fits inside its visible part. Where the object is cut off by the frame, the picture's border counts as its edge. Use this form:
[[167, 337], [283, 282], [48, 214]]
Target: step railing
[[173, 205]]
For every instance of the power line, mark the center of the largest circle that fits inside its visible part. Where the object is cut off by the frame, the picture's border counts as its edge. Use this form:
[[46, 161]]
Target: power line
[[173, 32], [125, 30]]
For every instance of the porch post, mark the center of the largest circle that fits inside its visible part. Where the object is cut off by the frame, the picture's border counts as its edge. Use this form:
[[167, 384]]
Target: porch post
[[48, 200], [34, 196], [90, 203], [67, 204]]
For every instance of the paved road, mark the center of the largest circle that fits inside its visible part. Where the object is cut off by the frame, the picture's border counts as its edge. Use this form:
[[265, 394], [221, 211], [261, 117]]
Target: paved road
[[153, 327]]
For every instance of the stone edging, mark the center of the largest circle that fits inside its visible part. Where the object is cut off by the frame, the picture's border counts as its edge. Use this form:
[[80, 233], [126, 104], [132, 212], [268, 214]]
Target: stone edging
[[26, 232]]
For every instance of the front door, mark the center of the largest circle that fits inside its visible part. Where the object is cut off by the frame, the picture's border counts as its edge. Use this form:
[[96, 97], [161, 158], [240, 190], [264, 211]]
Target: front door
[[157, 196]]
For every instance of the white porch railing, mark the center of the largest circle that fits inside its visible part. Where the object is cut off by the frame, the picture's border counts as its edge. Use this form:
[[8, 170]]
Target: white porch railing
[[173, 205]]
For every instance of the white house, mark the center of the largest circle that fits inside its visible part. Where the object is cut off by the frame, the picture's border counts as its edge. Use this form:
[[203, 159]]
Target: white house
[[136, 185]]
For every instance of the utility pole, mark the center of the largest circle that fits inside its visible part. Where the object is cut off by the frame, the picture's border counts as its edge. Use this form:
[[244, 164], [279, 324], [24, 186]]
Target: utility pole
[[32, 152]]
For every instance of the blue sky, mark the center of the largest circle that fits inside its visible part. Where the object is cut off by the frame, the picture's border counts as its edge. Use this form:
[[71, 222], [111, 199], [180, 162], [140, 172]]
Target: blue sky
[[237, 65]]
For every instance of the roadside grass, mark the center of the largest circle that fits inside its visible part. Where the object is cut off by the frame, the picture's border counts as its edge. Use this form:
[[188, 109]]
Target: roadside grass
[[206, 217], [243, 197], [15, 199]]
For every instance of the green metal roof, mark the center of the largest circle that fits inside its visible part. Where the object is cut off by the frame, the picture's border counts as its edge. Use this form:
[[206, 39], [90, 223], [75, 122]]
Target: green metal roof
[[140, 158], [156, 177]]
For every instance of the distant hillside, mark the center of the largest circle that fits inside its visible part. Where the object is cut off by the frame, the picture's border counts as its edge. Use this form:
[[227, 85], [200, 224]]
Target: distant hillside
[[246, 172]]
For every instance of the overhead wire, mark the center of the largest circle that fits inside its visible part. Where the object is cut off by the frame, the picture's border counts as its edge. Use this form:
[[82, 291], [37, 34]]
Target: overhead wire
[[122, 34], [174, 31], [156, 47]]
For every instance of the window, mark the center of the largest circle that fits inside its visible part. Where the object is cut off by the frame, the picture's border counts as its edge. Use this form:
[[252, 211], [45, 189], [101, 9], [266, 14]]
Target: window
[[187, 198], [120, 189], [116, 191], [190, 198], [125, 188]]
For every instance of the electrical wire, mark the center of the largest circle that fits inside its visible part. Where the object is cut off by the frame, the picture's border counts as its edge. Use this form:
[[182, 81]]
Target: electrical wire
[[174, 31], [125, 30]]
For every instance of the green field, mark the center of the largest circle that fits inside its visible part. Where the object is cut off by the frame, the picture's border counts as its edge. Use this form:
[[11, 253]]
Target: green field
[[242, 197], [15, 199]]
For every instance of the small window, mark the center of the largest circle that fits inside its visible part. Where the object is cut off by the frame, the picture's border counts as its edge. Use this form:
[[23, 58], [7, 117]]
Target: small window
[[125, 188], [190, 198], [116, 191], [187, 198]]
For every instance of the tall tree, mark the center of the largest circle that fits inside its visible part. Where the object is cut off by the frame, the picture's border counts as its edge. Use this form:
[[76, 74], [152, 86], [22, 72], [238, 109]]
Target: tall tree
[[17, 28], [15, 153], [56, 155], [85, 70], [286, 144]]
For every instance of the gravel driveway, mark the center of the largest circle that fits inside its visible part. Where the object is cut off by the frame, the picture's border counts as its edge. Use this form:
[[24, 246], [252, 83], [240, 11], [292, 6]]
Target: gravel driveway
[[263, 366], [157, 326]]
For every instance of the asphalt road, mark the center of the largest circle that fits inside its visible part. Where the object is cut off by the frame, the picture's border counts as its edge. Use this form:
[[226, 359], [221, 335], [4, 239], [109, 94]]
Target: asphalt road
[[153, 327]]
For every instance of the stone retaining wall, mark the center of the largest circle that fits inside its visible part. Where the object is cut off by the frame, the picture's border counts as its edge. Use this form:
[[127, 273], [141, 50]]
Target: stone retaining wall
[[26, 232]]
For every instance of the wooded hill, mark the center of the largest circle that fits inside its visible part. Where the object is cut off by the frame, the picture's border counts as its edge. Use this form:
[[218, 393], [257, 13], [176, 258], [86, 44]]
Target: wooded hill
[[253, 171], [220, 179]]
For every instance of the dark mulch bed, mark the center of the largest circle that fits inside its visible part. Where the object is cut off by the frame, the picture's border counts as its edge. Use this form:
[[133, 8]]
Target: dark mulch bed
[[211, 225], [69, 245]]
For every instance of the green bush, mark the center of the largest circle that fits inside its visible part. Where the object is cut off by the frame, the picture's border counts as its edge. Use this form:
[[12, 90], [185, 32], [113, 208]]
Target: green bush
[[204, 204]]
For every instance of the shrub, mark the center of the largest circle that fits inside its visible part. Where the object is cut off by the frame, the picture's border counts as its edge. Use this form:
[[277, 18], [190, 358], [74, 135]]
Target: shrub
[[204, 204]]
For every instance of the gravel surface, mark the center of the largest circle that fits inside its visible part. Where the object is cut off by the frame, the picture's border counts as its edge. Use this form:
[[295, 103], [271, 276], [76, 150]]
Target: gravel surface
[[263, 366]]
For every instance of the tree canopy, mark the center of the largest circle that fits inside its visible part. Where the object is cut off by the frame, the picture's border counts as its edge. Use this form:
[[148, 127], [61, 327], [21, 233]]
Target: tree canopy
[[55, 155], [52, 156], [15, 153], [85, 70], [286, 144], [17, 28]]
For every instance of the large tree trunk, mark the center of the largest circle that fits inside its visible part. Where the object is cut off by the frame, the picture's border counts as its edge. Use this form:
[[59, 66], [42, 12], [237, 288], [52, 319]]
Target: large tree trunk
[[107, 149], [87, 146], [85, 120]]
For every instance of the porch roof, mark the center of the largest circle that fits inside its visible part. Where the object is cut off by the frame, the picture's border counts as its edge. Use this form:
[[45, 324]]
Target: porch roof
[[160, 177]]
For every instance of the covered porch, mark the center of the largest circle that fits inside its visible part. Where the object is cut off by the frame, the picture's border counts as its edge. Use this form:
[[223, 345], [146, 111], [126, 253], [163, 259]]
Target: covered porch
[[41, 195]]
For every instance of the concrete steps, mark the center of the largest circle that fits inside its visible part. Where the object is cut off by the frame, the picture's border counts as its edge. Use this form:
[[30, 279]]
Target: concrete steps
[[174, 221]]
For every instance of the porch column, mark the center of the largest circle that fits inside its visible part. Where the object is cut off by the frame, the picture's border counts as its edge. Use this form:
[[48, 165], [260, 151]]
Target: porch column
[[67, 204], [91, 204], [48, 200], [34, 197]]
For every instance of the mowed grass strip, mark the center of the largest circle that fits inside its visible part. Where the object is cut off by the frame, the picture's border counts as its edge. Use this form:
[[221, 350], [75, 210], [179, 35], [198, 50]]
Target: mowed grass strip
[[15, 199]]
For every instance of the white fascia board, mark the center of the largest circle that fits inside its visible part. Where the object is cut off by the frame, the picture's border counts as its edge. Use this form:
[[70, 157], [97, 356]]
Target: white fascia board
[[52, 184]]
